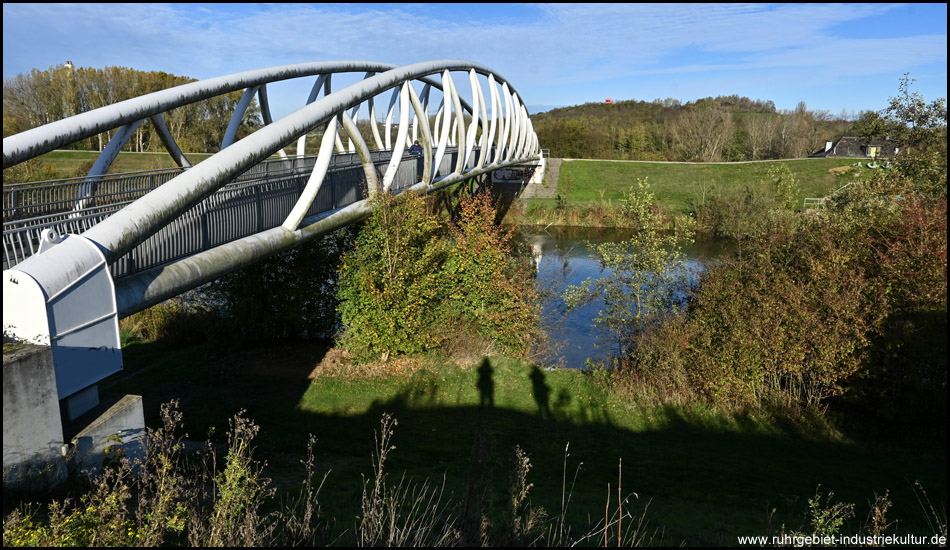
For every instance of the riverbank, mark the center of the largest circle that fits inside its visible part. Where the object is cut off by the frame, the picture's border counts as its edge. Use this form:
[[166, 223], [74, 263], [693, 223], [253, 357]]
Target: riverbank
[[587, 192]]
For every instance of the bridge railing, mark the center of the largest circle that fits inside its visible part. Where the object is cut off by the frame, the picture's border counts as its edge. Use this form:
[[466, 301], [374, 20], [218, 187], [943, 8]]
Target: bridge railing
[[31, 208], [257, 200], [31, 200]]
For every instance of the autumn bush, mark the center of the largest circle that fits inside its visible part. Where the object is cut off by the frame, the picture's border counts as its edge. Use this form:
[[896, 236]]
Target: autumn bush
[[412, 281], [789, 318], [489, 286], [899, 221], [849, 303]]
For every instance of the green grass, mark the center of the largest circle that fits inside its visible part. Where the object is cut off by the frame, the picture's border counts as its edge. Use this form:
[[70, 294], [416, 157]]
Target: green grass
[[677, 184], [78, 163], [708, 475]]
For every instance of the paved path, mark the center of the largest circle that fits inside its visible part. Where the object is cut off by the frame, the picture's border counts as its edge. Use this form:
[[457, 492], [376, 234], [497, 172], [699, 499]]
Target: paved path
[[547, 190]]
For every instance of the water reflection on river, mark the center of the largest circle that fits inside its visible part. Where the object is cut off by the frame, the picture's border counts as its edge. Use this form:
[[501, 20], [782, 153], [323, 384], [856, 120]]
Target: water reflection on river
[[564, 258]]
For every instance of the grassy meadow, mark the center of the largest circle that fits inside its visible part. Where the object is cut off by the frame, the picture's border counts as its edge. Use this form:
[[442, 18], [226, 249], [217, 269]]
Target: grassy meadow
[[697, 474], [68, 164], [679, 185], [78, 162]]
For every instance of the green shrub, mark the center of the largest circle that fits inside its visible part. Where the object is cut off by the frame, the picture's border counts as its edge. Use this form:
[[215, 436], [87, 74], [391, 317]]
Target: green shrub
[[290, 295], [391, 283], [407, 279], [748, 211], [179, 321]]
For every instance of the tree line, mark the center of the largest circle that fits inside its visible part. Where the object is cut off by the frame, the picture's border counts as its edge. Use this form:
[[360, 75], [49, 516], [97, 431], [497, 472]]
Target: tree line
[[41, 97], [712, 129]]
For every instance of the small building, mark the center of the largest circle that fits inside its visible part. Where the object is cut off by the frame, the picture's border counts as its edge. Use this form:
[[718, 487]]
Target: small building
[[856, 147], [609, 101]]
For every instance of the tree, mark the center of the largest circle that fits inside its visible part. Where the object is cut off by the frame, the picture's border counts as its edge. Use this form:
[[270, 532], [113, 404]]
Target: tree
[[919, 124], [761, 129], [289, 295], [702, 133], [647, 275], [870, 125], [59, 92], [921, 130]]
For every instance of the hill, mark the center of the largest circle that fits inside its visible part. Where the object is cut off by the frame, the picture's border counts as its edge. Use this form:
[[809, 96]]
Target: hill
[[724, 128]]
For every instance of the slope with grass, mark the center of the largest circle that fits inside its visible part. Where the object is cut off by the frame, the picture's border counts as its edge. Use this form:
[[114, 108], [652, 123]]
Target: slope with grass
[[588, 190], [708, 475]]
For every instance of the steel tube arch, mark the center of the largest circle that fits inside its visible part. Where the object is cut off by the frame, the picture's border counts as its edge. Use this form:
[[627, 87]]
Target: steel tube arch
[[119, 233], [43, 139], [72, 299]]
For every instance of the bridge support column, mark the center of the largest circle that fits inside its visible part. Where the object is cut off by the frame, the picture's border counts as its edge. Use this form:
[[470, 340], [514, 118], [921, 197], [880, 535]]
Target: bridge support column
[[32, 430], [64, 298]]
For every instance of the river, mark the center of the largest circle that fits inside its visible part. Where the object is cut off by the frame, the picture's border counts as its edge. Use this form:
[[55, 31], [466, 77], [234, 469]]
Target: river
[[563, 258]]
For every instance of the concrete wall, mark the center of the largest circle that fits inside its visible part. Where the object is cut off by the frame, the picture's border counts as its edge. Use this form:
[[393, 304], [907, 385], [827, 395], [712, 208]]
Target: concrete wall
[[121, 427], [32, 429]]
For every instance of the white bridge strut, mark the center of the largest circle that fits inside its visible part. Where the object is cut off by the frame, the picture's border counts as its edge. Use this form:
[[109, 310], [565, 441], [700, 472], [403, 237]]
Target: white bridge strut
[[64, 294]]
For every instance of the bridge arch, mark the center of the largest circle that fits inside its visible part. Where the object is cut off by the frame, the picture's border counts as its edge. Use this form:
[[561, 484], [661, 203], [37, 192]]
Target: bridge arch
[[66, 293]]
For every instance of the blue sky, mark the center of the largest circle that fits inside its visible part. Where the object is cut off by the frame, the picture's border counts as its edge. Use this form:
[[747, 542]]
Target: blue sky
[[835, 57]]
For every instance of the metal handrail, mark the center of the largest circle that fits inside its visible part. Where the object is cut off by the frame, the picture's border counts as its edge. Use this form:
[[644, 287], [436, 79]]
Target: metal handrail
[[281, 186]]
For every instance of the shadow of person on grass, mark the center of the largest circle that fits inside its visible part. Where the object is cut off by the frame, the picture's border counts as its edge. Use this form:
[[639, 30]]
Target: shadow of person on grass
[[542, 392], [486, 385]]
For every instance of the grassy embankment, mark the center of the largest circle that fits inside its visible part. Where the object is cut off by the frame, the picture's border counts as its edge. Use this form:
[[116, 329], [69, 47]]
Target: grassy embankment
[[68, 164], [72, 163], [590, 190], [706, 475]]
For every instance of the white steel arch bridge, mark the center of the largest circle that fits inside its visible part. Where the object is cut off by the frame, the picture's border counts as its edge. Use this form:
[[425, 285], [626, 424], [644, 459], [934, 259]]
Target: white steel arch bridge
[[79, 255]]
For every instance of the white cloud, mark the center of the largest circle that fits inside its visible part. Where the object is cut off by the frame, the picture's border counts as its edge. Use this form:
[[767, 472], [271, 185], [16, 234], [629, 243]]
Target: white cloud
[[546, 50]]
